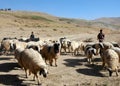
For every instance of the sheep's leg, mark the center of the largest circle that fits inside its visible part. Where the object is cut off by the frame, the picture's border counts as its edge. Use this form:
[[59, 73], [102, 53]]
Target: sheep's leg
[[97, 52], [89, 60], [72, 53], [60, 50], [76, 52], [69, 49], [55, 62], [103, 62], [110, 72], [51, 61], [37, 78], [92, 60], [26, 73], [34, 78], [65, 50], [116, 70]]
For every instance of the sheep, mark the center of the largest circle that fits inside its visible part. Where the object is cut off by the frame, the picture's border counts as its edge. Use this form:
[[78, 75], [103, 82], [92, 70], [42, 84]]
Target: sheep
[[89, 52], [74, 47], [65, 44], [37, 48], [34, 62], [111, 58], [19, 44], [103, 47], [7, 45], [50, 52], [97, 46], [81, 47], [36, 45], [106, 45]]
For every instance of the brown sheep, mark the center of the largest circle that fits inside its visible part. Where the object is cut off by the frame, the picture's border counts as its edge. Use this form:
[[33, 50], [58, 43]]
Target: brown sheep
[[50, 52]]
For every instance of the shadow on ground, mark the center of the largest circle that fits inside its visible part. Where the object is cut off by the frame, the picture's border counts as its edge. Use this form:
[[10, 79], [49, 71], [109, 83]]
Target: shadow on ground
[[73, 62], [91, 70], [6, 67], [12, 80]]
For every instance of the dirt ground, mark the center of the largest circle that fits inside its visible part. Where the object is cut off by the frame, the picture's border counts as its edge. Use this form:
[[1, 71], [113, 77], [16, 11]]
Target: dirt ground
[[71, 70]]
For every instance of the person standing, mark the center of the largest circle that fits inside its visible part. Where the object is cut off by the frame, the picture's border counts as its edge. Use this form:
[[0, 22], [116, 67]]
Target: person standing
[[32, 36], [101, 36]]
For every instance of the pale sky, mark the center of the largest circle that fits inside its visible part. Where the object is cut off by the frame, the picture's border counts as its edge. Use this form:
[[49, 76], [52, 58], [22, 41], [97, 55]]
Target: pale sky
[[82, 9]]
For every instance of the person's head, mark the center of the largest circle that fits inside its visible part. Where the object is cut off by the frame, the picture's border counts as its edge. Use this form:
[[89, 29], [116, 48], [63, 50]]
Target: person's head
[[31, 32], [100, 30]]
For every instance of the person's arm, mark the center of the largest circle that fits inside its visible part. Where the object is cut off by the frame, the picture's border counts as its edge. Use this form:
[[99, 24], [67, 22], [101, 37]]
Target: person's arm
[[97, 36]]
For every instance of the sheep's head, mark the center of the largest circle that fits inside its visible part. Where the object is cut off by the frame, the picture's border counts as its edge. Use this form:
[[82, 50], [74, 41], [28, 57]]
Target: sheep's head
[[56, 47], [44, 72]]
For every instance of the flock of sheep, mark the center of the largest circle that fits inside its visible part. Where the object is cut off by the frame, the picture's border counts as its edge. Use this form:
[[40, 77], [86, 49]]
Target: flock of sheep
[[34, 57]]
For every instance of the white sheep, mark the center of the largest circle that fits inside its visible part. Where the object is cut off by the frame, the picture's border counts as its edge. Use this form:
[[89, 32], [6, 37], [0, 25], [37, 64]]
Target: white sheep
[[65, 45], [19, 44], [74, 47], [38, 44], [81, 47], [111, 58], [106, 45], [103, 47], [33, 61], [7, 45]]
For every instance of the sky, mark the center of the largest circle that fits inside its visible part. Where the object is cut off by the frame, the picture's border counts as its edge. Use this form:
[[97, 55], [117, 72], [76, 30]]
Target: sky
[[81, 9]]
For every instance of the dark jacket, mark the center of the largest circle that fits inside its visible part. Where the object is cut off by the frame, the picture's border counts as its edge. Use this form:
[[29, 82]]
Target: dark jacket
[[101, 37]]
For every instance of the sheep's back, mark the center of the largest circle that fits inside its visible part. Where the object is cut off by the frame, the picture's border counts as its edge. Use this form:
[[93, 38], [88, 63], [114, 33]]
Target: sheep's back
[[33, 57]]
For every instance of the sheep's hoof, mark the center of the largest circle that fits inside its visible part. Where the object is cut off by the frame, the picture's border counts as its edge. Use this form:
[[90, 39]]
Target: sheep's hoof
[[55, 65]]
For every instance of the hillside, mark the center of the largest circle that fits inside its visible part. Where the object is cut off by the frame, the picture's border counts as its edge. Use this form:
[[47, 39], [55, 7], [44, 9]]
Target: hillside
[[111, 22], [25, 21]]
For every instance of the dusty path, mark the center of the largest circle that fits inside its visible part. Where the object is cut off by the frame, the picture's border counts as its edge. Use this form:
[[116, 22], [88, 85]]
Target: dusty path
[[71, 71]]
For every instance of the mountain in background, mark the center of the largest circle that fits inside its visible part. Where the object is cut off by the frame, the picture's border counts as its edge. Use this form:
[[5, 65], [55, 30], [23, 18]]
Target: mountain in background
[[110, 22], [36, 19]]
